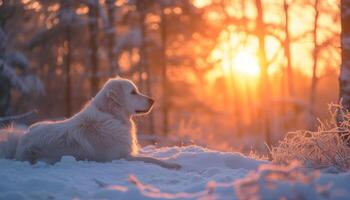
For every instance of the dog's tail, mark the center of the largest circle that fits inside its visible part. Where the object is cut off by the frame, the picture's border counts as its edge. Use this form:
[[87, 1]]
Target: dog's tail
[[9, 138]]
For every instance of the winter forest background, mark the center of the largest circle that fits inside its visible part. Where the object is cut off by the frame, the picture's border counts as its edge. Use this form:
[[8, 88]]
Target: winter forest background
[[225, 74]]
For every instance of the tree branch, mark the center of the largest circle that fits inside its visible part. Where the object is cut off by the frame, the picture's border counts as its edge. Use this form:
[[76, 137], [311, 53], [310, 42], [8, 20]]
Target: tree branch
[[17, 117]]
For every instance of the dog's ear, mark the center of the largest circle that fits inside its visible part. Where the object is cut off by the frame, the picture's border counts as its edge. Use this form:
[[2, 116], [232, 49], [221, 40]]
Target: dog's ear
[[113, 97]]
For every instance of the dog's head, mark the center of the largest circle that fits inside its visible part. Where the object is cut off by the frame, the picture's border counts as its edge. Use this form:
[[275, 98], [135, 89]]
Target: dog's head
[[120, 95]]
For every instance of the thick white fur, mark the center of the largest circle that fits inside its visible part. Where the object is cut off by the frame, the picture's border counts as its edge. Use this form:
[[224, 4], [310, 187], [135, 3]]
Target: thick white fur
[[102, 131]]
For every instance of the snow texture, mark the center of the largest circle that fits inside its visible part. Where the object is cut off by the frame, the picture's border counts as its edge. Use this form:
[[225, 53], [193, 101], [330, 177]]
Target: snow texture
[[205, 174]]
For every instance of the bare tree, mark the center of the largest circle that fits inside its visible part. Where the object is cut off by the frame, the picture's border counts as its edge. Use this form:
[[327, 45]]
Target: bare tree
[[290, 80], [141, 7], [163, 59], [235, 98], [111, 41], [93, 43], [344, 78], [264, 79], [67, 6], [68, 60], [315, 55]]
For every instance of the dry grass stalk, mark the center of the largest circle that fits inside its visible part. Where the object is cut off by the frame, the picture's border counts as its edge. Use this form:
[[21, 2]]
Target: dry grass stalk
[[326, 147]]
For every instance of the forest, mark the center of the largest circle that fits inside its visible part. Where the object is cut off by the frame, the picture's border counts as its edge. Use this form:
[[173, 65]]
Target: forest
[[212, 66], [267, 78]]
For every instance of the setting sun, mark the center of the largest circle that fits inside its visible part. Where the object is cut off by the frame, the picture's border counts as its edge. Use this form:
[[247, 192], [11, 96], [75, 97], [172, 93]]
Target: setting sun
[[245, 63], [240, 99]]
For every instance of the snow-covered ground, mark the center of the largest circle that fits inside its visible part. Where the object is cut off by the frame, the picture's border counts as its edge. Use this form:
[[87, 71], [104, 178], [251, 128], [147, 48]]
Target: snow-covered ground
[[205, 174]]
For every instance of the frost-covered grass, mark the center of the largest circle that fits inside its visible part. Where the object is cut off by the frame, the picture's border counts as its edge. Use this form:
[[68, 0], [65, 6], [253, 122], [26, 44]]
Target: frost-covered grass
[[326, 147], [205, 174]]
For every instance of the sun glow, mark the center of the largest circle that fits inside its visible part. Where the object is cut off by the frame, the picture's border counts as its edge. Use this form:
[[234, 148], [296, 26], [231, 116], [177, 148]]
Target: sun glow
[[201, 3], [246, 64], [243, 66], [234, 56]]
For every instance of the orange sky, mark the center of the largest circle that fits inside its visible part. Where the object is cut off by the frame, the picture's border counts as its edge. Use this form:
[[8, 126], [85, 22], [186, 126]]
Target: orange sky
[[242, 57]]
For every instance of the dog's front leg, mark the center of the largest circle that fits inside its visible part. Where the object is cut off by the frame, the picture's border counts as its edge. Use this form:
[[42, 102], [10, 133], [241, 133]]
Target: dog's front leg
[[154, 161]]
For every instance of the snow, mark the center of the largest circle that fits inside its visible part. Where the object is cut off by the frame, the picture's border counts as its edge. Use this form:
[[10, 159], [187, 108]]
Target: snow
[[205, 174]]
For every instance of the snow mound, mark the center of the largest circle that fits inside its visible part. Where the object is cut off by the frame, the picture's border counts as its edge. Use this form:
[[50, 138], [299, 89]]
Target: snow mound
[[292, 182], [204, 174]]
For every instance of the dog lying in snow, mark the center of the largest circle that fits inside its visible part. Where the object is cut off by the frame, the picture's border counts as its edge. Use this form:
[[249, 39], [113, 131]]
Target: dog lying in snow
[[102, 131]]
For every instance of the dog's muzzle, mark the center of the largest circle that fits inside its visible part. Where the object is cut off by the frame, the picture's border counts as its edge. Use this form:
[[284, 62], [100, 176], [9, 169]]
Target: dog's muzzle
[[150, 103]]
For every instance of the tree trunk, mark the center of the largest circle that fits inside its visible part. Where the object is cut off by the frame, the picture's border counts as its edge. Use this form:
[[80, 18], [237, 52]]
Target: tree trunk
[[290, 80], [314, 79], [111, 42], [344, 78], [264, 79], [315, 57], [235, 97], [67, 7], [143, 56], [93, 43], [164, 72], [68, 48], [5, 84], [249, 100]]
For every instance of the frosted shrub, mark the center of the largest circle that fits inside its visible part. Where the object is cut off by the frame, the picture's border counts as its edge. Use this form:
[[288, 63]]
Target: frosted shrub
[[326, 147]]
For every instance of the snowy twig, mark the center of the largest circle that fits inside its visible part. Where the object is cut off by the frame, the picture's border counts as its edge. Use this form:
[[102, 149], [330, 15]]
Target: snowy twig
[[16, 117]]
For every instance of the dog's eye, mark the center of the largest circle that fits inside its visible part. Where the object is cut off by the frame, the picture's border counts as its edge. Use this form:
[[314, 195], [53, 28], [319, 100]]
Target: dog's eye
[[133, 92]]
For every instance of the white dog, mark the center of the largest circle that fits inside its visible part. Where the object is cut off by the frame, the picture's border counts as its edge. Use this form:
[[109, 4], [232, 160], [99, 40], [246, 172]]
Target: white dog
[[102, 131]]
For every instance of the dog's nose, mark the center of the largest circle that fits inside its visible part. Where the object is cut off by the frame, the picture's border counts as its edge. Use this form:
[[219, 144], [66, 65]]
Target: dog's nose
[[151, 101]]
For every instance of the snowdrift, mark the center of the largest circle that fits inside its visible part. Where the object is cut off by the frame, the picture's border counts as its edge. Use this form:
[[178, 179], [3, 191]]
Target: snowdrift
[[204, 174]]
